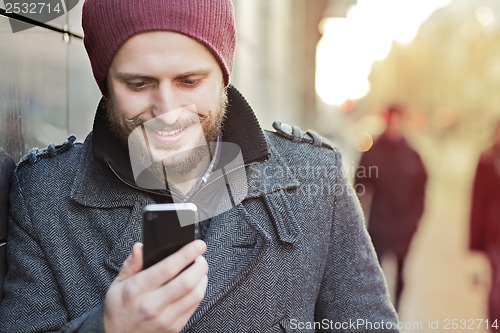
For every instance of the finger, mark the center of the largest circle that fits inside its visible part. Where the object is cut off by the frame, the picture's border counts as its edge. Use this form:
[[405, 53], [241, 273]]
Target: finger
[[180, 286], [183, 309], [154, 303], [167, 269], [132, 265]]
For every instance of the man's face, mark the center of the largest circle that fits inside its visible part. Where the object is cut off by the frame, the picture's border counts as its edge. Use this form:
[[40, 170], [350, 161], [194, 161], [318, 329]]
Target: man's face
[[177, 81]]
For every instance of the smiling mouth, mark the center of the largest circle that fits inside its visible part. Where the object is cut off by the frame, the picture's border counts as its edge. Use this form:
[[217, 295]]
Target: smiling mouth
[[170, 133]]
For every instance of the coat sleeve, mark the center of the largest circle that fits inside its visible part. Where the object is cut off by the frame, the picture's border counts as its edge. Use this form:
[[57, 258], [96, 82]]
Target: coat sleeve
[[32, 299], [353, 290]]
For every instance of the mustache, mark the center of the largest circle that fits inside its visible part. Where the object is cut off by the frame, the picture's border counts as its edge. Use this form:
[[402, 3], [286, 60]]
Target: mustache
[[156, 124]]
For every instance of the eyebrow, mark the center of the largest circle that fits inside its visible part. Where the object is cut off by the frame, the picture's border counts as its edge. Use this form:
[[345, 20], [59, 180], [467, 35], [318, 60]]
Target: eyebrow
[[131, 76], [198, 72]]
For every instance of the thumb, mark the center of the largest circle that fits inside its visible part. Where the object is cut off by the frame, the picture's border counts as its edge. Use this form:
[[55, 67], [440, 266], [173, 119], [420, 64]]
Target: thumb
[[132, 265]]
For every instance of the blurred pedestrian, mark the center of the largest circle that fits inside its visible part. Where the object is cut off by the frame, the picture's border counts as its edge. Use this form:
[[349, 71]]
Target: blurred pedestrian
[[390, 182], [485, 218]]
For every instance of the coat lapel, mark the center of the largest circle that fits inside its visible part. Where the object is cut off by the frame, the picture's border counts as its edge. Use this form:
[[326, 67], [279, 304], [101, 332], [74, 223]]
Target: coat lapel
[[131, 234], [235, 245], [96, 187], [237, 240]]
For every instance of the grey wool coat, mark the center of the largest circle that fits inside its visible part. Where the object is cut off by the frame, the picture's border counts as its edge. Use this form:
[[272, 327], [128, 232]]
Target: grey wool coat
[[294, 256]]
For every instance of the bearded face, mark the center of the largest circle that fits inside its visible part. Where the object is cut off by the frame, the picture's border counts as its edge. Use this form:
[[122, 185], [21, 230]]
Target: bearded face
[[154, 145], [166, 91]]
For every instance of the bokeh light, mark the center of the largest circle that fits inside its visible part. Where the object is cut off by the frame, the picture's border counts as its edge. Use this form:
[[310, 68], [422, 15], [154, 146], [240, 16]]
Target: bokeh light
[[351, 45]]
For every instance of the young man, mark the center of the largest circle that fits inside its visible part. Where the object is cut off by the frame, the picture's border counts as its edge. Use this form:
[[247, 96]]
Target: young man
[[291, 255]]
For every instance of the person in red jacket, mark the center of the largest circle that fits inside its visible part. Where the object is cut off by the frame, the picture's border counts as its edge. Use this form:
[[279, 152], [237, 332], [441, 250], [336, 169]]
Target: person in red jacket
[[485, 218]]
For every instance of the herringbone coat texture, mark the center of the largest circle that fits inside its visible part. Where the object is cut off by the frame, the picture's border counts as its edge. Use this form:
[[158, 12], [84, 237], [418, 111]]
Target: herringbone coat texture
[[295, 251]]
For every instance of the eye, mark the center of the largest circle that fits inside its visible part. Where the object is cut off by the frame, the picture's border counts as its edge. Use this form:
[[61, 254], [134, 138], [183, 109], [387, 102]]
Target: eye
[[137, 85], [189, 82]]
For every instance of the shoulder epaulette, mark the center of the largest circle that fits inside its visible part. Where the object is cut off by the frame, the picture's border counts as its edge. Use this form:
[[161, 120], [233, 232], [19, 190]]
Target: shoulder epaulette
[[295, 134], [52, 150]]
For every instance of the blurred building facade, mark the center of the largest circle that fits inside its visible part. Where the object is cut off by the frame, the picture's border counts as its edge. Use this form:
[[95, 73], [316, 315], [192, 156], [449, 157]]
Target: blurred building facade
[[47, 91], [275, 58]]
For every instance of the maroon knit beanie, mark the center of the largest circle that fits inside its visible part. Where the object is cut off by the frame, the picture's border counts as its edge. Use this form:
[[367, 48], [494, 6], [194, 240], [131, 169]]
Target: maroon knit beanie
[[108, 24]]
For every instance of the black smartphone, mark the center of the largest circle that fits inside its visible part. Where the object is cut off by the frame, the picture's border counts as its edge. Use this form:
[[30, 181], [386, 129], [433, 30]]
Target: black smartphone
[[166, 228]]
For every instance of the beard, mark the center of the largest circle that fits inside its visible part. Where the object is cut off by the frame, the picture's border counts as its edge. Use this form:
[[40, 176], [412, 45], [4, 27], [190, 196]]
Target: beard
[[178, 164]]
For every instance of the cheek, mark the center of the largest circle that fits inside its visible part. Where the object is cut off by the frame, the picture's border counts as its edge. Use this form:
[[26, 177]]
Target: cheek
[[130, 106], [207, 101]]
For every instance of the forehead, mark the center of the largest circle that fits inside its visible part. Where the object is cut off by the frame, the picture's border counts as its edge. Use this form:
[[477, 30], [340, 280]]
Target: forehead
[[162, 49]]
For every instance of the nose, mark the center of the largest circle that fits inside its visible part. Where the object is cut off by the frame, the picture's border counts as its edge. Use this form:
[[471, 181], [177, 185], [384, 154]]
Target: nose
[[166, 101]]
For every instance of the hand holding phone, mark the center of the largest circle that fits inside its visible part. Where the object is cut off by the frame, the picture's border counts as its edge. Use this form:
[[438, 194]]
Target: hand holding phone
[[136, 300], [166, 228]]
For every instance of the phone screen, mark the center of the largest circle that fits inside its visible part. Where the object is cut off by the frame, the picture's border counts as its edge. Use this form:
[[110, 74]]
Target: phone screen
[[166, 228]]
